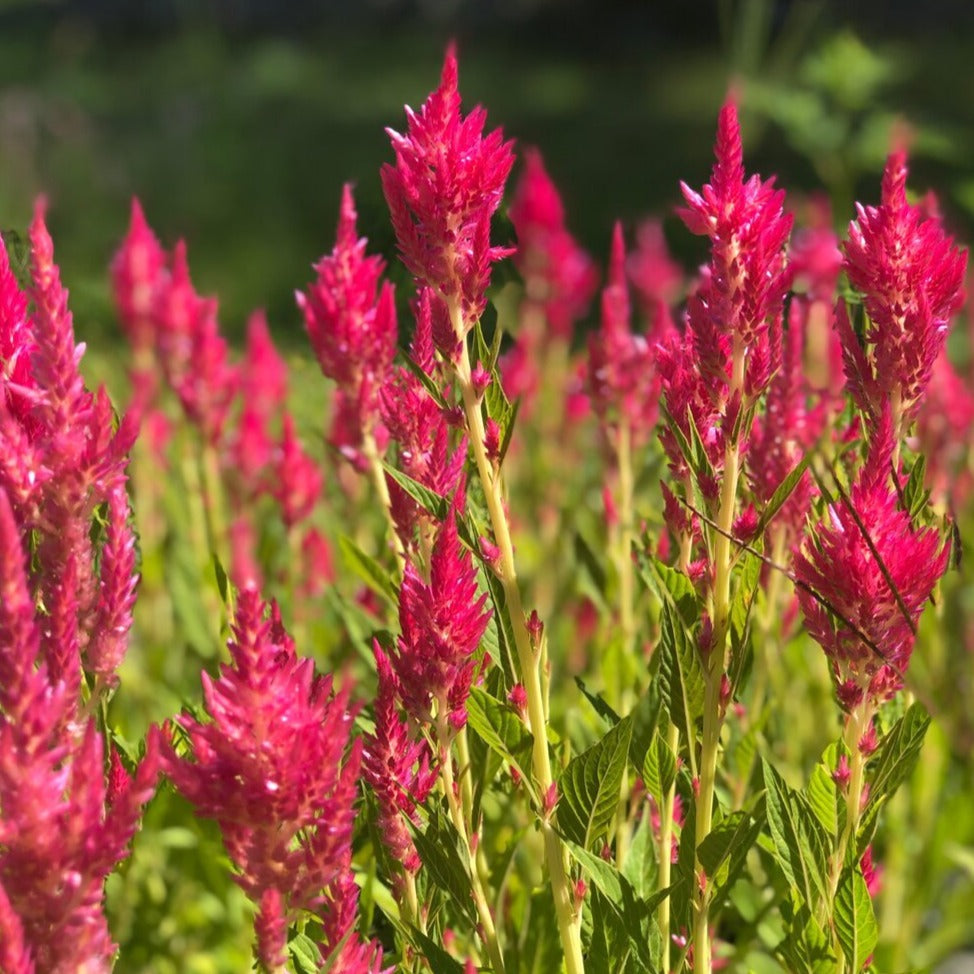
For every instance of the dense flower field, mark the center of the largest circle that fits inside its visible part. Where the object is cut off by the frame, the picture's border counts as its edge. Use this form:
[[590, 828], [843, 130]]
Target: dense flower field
[[646, 654]]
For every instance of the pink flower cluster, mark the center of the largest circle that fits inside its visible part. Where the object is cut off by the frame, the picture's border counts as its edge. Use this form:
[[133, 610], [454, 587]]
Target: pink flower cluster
[[275, 768], [447, 183], [66, 597]]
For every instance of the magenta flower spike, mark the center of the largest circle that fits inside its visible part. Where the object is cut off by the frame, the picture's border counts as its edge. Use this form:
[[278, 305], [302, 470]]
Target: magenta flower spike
[[748, 228], [274, 766], [398, 768], [136, 270], [447, 183], [351, 322], [558, 274], [62, 830], [441, 623], [297, 479], [837, 562], [623, 381], [911, 274]]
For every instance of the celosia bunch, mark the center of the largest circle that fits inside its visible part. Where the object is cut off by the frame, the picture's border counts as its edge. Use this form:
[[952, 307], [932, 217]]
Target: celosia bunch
[[275, 768], [351, 322], [447, 183], [441, 622], [66, 608], [911, 275], [871, 571], [398, 767], [623, 382]]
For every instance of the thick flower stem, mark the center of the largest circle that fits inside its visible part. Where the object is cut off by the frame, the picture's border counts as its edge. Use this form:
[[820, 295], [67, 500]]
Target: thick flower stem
[[371, 451], [666, 851], [716, 666], [460, 822], [569, 922]]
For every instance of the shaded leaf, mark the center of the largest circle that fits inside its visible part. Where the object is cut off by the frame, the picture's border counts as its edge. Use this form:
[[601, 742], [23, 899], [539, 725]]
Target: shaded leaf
[[589, 787], [855, 921], [680, 673], [501, 729]]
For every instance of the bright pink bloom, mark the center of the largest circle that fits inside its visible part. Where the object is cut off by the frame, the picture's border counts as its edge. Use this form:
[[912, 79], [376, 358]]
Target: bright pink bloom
[[655, 276], [351, 323], [623, 382], [447, 182], [559, 276], [297, 481], [136, 270], [62, 828], [748, 230], [441, 623], [911, 275], [275, 768], [836, 561], [397, 766]]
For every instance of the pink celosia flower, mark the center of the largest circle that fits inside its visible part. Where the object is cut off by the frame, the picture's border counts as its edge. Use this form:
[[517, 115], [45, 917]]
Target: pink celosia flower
[[837, 562], [62, 829], [397, 766], [655, 276], [351, 323], [297, 484], [276, 770], [441, 623], [559, 276], [623, 382], [442, 192], [911, 275]]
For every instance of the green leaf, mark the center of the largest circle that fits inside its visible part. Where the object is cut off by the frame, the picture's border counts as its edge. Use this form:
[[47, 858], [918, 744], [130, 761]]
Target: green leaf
[[781, 494], [592, 569], [805, 949], [367, 569], [640, 865], [222, 581], [425, 380], [589, 787], [855, 921], [439, 850], [304, 954], [500, 631], [680, 673], [800, 841], [724, 851], [659, 769], [748, 582], [822, 793], [672, 586], [440, 962], [897, 754], [501, 729], [430, 501], [915, 496], [598, 703], [646, 718]]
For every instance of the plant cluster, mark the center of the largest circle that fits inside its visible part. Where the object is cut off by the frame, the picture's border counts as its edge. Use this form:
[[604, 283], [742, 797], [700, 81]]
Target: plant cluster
[[725, 515]]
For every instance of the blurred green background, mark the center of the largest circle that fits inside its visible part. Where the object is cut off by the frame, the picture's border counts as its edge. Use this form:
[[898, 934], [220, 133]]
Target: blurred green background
[[236, 122]]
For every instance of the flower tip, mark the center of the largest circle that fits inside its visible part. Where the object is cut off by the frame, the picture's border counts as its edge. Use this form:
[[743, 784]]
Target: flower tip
[[449, 79], [347, 217], [617, 258]]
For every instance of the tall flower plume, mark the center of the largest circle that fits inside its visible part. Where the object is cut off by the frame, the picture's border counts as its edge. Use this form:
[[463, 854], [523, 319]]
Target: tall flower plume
[[351, 322], [876, 569], [441, 621], [911, 274], [447, 183], [275, 768]]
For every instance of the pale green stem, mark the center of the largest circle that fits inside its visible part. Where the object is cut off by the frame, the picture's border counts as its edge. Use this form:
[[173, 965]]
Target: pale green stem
[[569, 922], [665, 851], [716, 666], [487, 928], [376, 471]]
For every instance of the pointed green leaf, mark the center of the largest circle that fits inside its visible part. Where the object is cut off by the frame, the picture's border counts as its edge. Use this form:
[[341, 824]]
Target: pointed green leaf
[[659, 769], [782, 492], [897, 754], [367, 569], [855, 921], [440, 962], [915, 496], [599, 705], [589, 787], [822, 793], [439, 850], [724, 851], [680, 673], [304, 954], [429, 500], [501, 729], [426, 381], [801, 843]]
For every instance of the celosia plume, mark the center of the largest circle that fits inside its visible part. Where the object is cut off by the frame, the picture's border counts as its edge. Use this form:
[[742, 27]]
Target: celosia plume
[[870, 564], [275, 768], [441, 621], [911, 275], [351, 322], [447, 183]]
